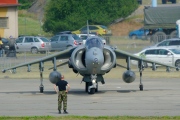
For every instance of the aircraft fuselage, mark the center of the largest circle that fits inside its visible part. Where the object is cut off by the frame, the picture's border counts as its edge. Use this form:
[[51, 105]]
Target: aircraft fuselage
[[94, 60]]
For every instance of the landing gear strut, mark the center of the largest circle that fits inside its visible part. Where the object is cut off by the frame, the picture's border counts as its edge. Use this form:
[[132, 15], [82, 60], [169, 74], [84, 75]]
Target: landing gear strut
[[140, 70], [41, 68]]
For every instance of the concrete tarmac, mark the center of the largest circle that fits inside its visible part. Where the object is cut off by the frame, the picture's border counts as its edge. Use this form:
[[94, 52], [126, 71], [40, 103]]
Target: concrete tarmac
[[161, 97]]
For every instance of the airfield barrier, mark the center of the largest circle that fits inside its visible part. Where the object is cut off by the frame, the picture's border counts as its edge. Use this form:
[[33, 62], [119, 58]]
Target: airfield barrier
[[120, 42], [123, 43], [6, 62]]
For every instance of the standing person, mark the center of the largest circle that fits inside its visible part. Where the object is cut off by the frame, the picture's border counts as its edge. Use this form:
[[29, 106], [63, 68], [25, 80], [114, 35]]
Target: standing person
[[1, 46], [62, 94], [12, 49]]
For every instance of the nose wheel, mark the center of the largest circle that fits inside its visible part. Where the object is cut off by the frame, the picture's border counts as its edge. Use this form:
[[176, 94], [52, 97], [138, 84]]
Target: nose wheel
[[90, 87], [91, 91]]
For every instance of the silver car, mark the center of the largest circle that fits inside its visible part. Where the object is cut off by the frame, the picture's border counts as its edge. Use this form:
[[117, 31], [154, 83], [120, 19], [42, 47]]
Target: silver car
[[33, 44], [64, 41], [164, 55], [169, 43]]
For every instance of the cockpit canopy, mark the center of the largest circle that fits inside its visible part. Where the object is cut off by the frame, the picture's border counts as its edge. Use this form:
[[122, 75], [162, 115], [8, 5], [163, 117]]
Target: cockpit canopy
[[94, 42]]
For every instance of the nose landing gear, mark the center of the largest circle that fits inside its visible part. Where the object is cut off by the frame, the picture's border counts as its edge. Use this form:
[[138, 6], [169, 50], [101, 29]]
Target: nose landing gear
[[92, 87]]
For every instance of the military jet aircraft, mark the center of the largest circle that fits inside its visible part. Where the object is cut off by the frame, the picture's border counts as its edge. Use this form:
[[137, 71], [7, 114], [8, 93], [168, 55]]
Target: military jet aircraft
[[91, 61]]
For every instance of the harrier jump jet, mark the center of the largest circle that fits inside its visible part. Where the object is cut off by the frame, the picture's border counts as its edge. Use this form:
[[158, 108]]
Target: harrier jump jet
[[91, 60]]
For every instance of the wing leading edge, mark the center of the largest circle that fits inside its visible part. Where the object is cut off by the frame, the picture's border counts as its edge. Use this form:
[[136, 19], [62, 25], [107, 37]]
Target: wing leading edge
[[60, 55]]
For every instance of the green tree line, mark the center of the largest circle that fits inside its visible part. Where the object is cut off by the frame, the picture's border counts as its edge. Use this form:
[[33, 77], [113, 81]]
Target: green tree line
[[25, 4], [70, 15]]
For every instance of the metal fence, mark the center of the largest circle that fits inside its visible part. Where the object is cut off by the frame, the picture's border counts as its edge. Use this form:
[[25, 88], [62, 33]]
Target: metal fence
[[25, 56], [155, 39], [6, 62], [123, 43]]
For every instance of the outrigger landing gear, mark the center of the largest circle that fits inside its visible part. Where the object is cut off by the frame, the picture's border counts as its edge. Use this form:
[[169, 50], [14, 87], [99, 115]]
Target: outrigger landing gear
[[140, 70], [141, 85], [41, 87], [41, 68]]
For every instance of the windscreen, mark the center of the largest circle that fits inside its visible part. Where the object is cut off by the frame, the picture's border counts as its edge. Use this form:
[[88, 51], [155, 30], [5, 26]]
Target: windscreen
[[94, 42], [76, 37], [104, 27]]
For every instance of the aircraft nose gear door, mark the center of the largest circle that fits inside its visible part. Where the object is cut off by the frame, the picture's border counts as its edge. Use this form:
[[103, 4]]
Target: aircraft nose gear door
[[92, 86]]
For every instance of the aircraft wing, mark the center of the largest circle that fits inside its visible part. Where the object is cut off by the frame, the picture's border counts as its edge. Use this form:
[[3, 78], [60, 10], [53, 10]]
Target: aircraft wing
[[120, 54], [60, 55], [59, 65]]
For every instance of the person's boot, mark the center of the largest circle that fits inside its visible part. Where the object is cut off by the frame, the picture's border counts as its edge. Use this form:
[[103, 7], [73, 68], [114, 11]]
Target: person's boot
[[65, 112]]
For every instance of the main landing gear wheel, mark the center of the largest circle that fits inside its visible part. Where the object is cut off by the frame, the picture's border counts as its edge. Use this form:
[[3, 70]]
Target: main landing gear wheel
[[96, 90], [86, 86]]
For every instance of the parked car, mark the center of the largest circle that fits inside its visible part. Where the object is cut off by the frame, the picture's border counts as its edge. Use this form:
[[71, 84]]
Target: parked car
[[167, 56], [64, 41], [169, 43], [85, 36], [94, 29], [33, 44], [139, 34]]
